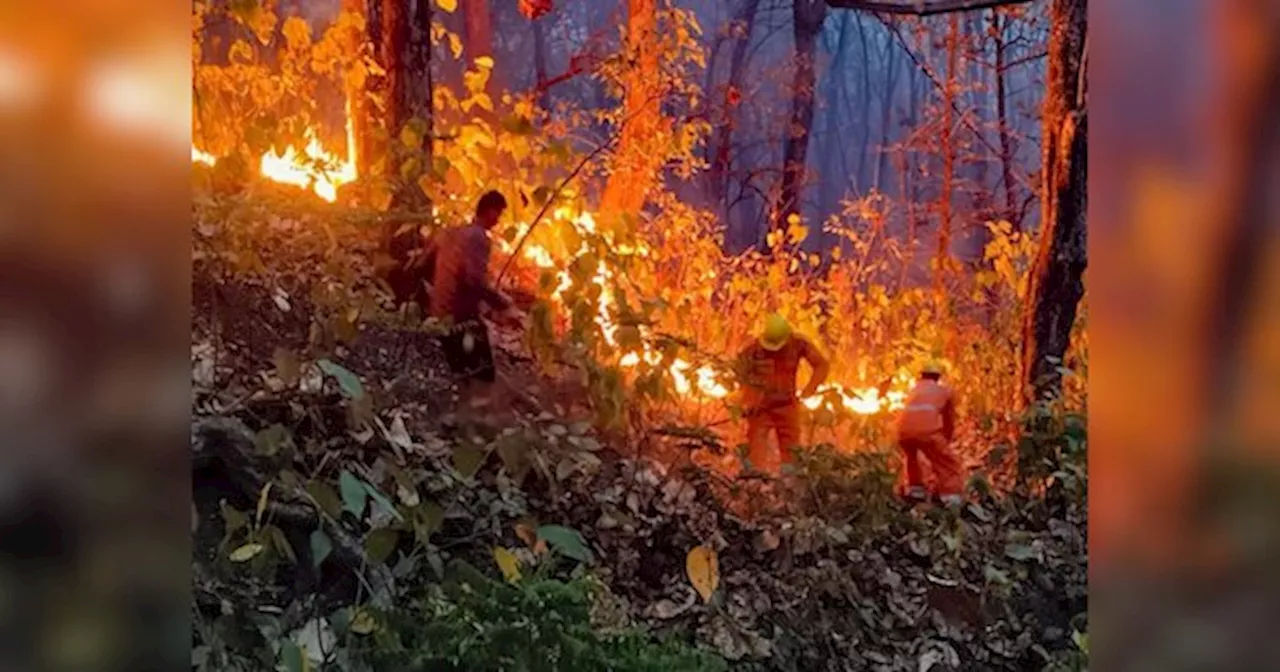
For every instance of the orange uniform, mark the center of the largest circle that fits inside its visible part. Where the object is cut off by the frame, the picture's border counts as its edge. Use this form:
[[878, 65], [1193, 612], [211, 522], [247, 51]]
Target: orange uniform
[[926, 426], [769, 384]]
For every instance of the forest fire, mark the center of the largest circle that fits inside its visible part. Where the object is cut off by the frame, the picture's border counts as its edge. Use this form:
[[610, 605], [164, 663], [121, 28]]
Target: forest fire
[[323, 172], [703, 381], [315, 168]]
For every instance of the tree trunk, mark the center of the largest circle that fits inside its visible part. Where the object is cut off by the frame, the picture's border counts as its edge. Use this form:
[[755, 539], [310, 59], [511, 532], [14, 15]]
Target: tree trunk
[[407, 65], [834, 182], [864, 121], [808, 17], [1056, 282], [478, 26], [540, 62], [719, 172], [357, 94], [912, 167], [942, 258], [1002, 124], [395, 60], [635, 164], [890, 64], [1241, 207], [981, 200], [422, 93]]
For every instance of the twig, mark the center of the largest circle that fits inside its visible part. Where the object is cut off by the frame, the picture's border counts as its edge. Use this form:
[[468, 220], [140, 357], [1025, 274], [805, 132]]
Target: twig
[[551, 199], [613, 139], [933, 79], [922, 8]]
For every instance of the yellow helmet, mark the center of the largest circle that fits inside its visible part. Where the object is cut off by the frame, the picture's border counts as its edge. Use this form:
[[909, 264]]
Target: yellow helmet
[[933, 367], [777, 331]]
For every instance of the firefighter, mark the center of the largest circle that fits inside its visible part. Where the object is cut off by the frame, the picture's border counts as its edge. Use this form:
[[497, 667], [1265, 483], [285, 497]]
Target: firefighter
[[926, 427], [767, 369]]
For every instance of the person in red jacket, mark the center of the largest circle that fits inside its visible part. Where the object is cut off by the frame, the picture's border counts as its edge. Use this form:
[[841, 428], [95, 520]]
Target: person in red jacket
[[926, 427], [460, 287]]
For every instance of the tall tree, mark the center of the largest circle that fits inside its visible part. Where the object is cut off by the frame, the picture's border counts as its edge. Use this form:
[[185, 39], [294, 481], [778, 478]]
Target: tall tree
[[479, 28], [888, 58], [807, 18], [835, 179], [478, 25], [998, 27], [635, 165], [942, 258], [356, 89], [718, 175], [1056, 282], [404, 87]]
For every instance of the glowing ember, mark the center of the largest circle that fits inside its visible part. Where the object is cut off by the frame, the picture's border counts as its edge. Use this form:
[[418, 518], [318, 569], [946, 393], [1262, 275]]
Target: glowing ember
[[206, 158]]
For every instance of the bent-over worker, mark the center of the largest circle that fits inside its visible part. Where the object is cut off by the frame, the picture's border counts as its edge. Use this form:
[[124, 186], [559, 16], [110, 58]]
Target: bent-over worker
[[460, 285], [767, 370], [926, 426]]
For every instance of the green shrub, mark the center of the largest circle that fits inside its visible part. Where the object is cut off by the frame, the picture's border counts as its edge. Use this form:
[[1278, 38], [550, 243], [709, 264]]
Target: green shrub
[[477, 624]]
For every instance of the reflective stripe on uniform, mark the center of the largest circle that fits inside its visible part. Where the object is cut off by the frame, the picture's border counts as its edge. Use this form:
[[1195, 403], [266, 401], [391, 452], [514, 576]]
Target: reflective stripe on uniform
[[922, 407]]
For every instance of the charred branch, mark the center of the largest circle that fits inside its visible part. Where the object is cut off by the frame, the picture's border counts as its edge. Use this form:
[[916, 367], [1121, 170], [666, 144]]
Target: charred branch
[[920, 8]]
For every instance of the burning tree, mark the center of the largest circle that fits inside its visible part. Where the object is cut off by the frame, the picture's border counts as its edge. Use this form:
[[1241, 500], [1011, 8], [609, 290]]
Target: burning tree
[[1057, 281]]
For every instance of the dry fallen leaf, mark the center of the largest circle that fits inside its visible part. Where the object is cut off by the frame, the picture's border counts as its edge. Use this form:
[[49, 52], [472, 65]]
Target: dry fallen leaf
[[703, 568], [508, 563], [767, 541]]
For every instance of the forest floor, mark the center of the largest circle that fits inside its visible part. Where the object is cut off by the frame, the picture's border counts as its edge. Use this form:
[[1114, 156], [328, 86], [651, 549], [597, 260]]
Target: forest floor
[[332, 500]]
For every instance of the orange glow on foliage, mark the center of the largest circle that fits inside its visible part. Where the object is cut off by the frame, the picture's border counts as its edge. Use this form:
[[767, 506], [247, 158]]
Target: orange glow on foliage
[[322, 172], [698, 382], [315, 168]]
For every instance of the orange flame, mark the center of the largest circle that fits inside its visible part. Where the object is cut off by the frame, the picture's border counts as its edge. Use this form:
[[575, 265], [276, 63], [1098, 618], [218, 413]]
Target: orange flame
[[699, 382], [315, 168], [323, 173]]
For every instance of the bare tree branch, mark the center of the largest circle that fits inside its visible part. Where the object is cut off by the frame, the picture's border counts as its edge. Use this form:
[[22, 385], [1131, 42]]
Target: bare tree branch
[[922, 8], [937, 84]]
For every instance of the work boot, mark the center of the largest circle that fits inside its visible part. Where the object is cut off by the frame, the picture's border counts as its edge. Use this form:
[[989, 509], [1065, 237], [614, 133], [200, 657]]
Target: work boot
[[916, 493]]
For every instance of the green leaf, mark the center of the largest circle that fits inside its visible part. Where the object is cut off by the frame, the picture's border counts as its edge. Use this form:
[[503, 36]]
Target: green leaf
[[293, 658], [347, 381], [383, 501], [410, 137], [354, 494], [467, 460], [380, 544], [410, 169], [517, 124], [263, 498], [288, 368], [566, 541], [362, 622], [541, 195], [246, 553], [234, 520], [281, 543], [428, 517], [326, 497], [1019, 552], [321, 547]]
